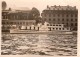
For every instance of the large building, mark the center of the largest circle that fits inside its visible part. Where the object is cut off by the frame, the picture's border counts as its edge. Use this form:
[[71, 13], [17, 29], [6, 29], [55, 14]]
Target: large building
[[19, 14], [5, 14], [66, 15], [16, 17]]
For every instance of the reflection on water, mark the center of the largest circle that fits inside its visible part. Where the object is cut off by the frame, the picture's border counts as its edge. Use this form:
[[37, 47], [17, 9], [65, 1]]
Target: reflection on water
[[39, 44]]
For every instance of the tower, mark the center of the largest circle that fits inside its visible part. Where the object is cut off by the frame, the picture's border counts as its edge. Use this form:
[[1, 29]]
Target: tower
[[4, 5]]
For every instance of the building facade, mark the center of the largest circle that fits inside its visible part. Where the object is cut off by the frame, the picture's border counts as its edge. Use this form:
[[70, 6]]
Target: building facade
[[17, 17], [66, 15], [18, 22], [5, 14]]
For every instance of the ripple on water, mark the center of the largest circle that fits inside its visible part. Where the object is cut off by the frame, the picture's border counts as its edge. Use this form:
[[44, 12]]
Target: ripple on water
[[39, 44]]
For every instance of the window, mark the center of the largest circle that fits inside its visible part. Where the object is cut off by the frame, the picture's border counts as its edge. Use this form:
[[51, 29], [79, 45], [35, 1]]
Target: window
[[18, 23], [75, 24], [14, 16], [30, 28], [3, 22], [5, 17], [44, 19], [59, 25], [53, 25], [62, 19], [49, 15], [49, 19], [58, 15], [7, 23], [33, 23], [53, 19], [67, 20], [53, 15], [15, 22], [56, 28], [59, 28], [71, 19], [58, 19], [62, 15], [71, 24], [75, 19], [50, 25], [47, 24], [17, 16], [67, 28], [45, 15], [75, 15], [63, 28], [21, 23], [67, 15], [34, 28], [4, 14], [67, 24], [71, 15]]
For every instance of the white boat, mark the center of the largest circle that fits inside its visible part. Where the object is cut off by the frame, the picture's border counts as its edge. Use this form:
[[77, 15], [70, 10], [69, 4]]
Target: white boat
[[43, 29]]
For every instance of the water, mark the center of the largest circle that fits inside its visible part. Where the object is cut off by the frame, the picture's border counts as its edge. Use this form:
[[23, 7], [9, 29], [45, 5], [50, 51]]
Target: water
[[39, 44]]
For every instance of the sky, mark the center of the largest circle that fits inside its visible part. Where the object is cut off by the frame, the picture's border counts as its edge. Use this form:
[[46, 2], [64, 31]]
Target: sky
[[40, 4]]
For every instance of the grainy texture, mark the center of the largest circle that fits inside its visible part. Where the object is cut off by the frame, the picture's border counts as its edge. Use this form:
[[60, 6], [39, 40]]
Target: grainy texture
[[38, 44]]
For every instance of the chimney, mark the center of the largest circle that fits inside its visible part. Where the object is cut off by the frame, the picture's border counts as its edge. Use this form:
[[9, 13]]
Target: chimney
[[68, 6], [75, 7], [59, 6], [47, 6], [55, 6], [9, 9]]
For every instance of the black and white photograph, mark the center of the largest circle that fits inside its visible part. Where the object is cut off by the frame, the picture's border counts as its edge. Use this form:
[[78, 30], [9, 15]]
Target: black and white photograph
[[39, 27]]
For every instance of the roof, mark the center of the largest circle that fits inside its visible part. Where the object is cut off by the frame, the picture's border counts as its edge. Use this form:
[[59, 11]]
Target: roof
[[21, 9], [17, 10], [20, 20], [5, 10], [61, 7]]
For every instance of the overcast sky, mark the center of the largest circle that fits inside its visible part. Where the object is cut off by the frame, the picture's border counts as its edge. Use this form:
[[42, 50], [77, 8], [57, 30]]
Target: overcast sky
[[40, 4]]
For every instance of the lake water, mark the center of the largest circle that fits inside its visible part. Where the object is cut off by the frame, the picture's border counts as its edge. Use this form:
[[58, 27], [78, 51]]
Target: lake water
[[39, 44]]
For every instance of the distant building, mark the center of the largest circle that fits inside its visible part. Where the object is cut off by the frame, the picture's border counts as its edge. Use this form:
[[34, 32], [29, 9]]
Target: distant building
[[5, 14], [16, 17], [4, 5], [18, 22], [19, 14], [66, 15]]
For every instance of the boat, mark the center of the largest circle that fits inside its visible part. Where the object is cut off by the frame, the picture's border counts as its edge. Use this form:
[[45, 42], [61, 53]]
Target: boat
[[42, 29]]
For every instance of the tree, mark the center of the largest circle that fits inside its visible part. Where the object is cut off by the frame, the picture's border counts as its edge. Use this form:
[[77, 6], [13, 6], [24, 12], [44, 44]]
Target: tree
[[4, 5], [34, 14]]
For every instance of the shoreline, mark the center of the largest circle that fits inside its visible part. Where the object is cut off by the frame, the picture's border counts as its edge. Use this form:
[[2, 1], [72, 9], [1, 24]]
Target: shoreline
[[53, 33]]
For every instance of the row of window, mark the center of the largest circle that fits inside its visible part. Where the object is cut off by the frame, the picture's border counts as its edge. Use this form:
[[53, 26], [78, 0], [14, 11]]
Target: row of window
[[72, 24], [18, 23], [58, 28], [18, 17], [71, 15], [4, 17], [60, 19], [53, 25], [14, 17], [67, 24]]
